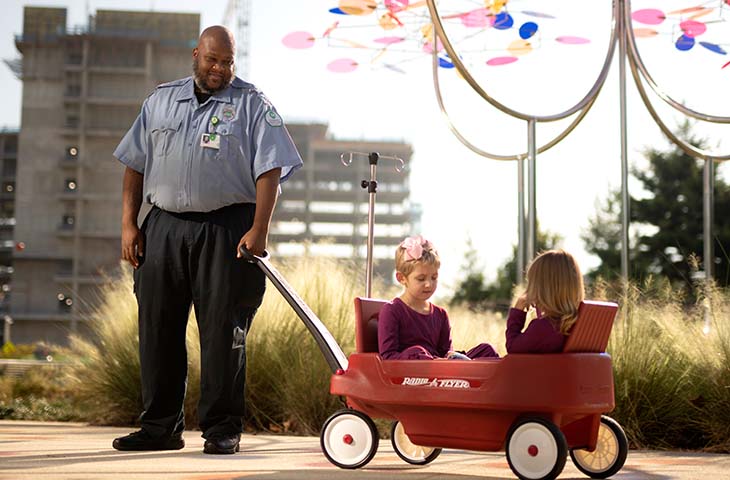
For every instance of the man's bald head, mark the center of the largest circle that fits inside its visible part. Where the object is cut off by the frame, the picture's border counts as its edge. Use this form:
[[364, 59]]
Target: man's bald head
[[218, 34], [213, 59]]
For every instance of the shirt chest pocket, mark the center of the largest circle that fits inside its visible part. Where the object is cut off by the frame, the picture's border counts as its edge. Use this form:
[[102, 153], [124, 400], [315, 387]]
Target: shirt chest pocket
[[230, 144], [164, 136]]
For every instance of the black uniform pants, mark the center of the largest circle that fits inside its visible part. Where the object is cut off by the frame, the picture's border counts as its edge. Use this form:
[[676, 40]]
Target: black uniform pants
[[190, 258]]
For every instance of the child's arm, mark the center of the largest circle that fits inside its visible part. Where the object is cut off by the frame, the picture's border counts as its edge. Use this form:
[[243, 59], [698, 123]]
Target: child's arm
[[539, 337], [445, 344], [388, 332]]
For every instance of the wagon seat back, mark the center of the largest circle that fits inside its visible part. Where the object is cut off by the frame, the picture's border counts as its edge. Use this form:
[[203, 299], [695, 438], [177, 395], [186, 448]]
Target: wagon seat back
[[366, 324], [592, 328]]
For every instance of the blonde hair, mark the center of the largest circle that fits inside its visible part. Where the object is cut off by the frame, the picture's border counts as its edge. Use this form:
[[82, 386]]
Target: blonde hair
[[555, 286], [405, 264]]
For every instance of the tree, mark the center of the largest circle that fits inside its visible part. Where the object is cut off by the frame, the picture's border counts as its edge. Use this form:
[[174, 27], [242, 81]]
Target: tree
[[474, 292], [668, 220]]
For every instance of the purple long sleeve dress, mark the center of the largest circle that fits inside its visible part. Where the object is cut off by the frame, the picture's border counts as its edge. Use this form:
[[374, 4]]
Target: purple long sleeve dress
[[541, 336], [404, 334]]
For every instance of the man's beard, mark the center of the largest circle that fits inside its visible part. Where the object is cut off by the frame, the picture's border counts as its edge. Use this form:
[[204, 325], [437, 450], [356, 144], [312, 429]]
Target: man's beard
[[199, 78]]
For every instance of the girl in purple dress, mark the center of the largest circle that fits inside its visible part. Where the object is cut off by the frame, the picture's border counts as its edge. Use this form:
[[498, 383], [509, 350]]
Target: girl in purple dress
[[555, 290], [410, 327]]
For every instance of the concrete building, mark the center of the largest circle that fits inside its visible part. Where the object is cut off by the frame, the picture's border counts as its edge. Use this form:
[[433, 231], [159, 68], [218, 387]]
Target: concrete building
[[8, 166], [323, 210], [82, 89]]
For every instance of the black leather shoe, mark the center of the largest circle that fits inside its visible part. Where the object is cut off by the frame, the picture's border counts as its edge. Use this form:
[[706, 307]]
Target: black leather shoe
[[221, 444], [141, 440]]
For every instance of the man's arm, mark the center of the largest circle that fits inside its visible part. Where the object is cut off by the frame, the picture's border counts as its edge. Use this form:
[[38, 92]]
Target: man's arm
[[132, 238], [267, 191]]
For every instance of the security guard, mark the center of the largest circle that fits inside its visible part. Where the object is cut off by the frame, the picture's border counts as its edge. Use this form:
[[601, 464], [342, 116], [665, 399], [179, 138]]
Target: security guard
[[208, 152]]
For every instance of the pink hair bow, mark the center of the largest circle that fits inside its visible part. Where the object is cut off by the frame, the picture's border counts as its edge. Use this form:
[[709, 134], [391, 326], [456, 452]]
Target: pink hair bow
[[414, 247]]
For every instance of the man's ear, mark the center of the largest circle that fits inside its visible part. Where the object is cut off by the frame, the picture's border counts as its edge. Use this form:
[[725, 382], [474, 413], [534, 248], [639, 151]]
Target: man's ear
[[195, 52]]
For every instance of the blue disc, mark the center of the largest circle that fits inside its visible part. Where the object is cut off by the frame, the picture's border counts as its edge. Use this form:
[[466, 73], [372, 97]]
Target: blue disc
[[684, 43], [527, 30], [503, 21]]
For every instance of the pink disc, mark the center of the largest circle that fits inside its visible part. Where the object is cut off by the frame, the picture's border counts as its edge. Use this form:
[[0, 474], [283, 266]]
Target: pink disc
[[501, 61], [342, 65], [572, 40], [389, 40], [693, 28], [298, 40], [649, 16], [479, 18], [396, 6], [428, 46]]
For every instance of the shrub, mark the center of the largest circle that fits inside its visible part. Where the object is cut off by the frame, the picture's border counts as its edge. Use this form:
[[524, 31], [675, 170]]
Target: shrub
[[671, 377]]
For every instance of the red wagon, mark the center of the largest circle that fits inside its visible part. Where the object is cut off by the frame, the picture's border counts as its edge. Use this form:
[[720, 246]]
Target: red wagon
[[535, 407]]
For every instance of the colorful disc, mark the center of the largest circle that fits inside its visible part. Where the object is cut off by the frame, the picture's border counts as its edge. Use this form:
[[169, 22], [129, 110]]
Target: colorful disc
[[693, 28], [496, 61], [684, 43], [649, 16], [527, 30], [298, 40], [503, 21], [342, 65], [572, 40]]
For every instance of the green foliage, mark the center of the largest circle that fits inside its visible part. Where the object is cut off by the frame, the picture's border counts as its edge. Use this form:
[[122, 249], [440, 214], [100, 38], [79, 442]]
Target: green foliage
[[39, 394], [8, 350], [668, 221], [106, 377], [671, 377]]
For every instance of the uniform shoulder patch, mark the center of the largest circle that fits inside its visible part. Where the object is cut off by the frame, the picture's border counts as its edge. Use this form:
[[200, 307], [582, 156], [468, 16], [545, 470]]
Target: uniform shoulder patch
[[273, 118]]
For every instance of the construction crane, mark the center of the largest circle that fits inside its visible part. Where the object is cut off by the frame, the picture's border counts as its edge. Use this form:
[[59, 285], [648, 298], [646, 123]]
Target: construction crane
[[236, 17]]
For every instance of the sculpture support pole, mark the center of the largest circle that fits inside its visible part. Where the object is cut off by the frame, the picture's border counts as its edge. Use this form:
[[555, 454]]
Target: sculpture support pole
[[520, 220], [624, 150], [708, 216], [531, 190]]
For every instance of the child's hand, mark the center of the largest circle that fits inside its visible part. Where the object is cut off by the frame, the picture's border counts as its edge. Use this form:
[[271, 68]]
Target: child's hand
[[521, 303], [456, 356]]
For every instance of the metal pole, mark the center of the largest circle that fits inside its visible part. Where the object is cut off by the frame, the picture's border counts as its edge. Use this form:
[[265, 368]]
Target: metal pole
[[520, 220], [624, 148], [372, 190], [708, 190], [531, 190]]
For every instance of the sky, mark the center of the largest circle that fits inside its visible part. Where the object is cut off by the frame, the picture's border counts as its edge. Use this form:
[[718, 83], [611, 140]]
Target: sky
[[464, 197]]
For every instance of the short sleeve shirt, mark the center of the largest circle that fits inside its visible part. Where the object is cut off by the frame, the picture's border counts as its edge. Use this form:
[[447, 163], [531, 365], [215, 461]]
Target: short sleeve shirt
[[184, 168]]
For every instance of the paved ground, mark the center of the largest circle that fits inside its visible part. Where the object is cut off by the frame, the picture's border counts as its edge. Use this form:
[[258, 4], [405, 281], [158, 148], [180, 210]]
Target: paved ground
[[73, 451]]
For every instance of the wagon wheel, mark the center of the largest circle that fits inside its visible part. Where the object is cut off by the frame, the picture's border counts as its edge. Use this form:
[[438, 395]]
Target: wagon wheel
[[408, 451], [609, 455], [349, 439], [536, 449]]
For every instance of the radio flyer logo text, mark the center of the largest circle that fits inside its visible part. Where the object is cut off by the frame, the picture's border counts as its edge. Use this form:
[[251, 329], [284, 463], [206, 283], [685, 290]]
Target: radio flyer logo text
[[436, 382]]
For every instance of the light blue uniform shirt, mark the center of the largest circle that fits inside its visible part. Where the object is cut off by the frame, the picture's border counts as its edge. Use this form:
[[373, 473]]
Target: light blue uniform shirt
[[180, 175]]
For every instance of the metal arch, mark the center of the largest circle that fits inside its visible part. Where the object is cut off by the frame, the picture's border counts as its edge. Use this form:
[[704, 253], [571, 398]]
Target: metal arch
[[588, 98], [492, 156], [636, 58], [637, 67]]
